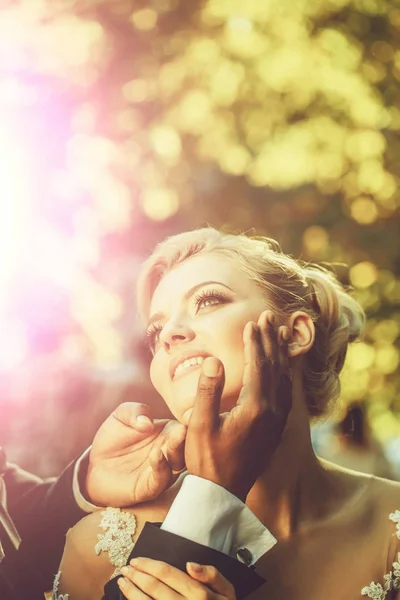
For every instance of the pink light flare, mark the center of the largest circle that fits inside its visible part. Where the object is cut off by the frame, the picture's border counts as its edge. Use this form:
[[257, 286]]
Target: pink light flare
[[15, 205]]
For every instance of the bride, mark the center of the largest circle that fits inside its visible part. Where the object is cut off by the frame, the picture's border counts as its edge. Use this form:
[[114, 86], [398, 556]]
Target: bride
[[241, 311]]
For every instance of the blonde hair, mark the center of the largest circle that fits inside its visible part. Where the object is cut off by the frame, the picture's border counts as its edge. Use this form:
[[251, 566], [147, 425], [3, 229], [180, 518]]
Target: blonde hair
[[289, 284]]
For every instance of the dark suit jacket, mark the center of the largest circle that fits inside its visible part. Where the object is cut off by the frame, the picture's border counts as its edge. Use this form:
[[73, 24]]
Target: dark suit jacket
[[42, 512]]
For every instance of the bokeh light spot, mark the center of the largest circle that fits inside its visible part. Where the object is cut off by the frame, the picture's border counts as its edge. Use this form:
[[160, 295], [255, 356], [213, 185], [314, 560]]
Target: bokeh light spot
[[382, 50], [386, 330], [16, 179], [14, 346], [364, 210], [136, 90], [113, 202], [194, 112], [240, 23], [159, 204], [387, 358], [360, 356], [234, 160], [166, 141], [363, 274], [145, 19], [315, 240]]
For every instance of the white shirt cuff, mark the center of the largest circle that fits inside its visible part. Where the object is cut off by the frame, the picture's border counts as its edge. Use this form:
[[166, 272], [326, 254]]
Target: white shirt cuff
[[81, 501], [208, 514]]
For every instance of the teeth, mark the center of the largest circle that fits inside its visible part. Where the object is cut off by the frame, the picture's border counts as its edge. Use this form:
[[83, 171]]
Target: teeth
[[190, 362]]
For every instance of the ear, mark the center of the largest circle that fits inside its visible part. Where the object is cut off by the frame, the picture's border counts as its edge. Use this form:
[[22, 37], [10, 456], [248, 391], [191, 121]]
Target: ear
[[302, 330]]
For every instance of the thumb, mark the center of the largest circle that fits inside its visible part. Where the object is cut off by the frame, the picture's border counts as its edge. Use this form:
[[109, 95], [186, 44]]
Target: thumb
[[213, 578], [136, 415], [205, 412]]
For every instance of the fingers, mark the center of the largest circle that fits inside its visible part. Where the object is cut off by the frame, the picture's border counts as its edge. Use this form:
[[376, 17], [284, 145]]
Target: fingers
[[162, 475], [274, 341], [266, 360], [283, 338], [162, 581], [130, 590], [146, 578], [268, 338], [205, 413], [253, 358], [147, 585], [174, 448], [136, 415], [213, 578], [284, 388]]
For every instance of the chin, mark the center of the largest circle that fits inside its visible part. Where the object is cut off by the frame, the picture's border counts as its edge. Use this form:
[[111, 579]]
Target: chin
[[184, 398], [181, 406]]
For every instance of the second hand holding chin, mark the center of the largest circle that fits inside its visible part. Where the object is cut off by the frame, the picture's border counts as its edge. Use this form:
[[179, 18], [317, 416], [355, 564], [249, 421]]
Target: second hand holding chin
[[232, 449], [134, 458]]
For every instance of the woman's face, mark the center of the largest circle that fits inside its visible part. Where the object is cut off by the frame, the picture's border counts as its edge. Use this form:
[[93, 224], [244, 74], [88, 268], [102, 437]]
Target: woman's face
[[199, 309]]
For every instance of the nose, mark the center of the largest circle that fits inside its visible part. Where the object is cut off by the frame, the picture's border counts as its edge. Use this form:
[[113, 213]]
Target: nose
[[174, 333]]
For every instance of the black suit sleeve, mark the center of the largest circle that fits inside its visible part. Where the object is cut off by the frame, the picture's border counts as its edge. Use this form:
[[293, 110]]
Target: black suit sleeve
[[177, 551], [43, 511]]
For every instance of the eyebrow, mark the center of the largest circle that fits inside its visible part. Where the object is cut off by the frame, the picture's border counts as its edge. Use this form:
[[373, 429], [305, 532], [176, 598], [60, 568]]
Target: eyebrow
[[160, 315]]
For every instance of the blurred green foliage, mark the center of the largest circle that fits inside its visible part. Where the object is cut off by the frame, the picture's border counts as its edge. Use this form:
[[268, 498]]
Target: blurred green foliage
[[280, 116]]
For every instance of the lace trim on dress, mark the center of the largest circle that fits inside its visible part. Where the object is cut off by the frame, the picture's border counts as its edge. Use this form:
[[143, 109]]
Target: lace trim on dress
[[56, 585], [395, 517], [377, 591], [119, 528]]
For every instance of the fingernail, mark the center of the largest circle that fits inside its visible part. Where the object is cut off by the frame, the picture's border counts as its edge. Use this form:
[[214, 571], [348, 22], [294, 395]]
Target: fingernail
[[210, 366], [124, 570], [286, 335], [195, 567], [143, 420], [134, 562], [121, 581]]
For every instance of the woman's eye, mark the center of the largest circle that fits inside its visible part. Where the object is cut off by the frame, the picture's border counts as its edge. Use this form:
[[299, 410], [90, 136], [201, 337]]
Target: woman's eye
[[208, 302], [207, 298], [153, 335]]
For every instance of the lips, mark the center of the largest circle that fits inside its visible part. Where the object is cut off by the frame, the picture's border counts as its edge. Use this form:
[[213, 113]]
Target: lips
[[185, 356]]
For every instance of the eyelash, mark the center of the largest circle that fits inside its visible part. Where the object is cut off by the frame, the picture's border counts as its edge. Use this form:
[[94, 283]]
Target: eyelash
[[204, 295]]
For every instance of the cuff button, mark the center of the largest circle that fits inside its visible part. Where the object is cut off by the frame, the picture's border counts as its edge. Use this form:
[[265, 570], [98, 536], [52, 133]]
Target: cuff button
[[244, 555]]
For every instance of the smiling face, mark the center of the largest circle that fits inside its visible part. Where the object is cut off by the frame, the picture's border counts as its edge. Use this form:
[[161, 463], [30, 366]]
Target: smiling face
[[200, 308]]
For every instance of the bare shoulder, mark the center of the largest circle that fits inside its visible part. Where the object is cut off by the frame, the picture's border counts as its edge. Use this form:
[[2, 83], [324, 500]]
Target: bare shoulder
[[386, 494], [96, 536], [385, 500], [363, 496], [99, 545], [376, 500], [378, 490]]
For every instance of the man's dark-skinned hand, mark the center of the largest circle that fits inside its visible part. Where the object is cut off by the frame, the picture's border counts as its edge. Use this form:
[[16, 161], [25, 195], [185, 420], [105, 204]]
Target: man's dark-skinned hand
[[232, 449], [133, 457]]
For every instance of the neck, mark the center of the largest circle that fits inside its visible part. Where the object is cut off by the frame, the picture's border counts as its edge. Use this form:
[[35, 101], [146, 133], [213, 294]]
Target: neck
[[295, 488]]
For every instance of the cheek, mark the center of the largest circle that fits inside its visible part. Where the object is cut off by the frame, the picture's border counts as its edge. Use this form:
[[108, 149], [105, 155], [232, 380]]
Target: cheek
[[155, 375], [159, 377], [232, 353]]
